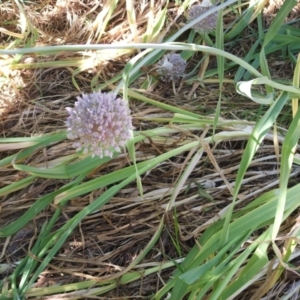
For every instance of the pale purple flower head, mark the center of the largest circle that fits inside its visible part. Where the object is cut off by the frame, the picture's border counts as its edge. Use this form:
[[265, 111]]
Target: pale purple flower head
[[101, 123], [171, 67], [207, 24]]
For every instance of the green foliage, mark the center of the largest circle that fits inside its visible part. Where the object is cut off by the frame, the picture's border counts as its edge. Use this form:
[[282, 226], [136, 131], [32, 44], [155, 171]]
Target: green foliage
[[233, 249]]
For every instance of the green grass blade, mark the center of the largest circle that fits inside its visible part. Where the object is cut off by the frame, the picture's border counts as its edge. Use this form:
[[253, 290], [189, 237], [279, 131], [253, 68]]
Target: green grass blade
[[250, 222], [296, 83], [16, 186], [104, 17], [155, 24], [221, 62], [207, 274], [241, 72], [242, 23], [288, 148], [277, 22], [258, 134], [258, 260], [36, 208]]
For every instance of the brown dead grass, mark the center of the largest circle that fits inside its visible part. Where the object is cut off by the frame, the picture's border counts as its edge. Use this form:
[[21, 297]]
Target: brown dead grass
[[33, 102]]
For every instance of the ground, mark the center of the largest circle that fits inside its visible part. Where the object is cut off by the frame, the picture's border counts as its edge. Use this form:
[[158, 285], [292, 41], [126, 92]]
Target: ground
[[133, 231]]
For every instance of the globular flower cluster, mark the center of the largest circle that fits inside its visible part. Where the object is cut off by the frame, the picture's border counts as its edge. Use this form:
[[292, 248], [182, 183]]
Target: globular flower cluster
[[171, 67], [205, 25], [101, 123]]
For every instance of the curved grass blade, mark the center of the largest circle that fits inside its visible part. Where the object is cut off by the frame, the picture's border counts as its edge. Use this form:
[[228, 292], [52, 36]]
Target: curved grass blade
[[288, 148], [261, 129]]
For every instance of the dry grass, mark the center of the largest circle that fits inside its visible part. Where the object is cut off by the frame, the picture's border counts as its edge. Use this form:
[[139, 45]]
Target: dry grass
[[33, 101]]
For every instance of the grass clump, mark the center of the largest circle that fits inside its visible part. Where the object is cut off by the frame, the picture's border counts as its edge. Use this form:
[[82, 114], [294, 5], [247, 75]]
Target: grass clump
[[203, 200]]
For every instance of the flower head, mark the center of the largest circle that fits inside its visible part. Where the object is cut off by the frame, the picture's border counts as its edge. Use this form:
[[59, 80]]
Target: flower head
[[207, 24], [171, 67], [101, 122]]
